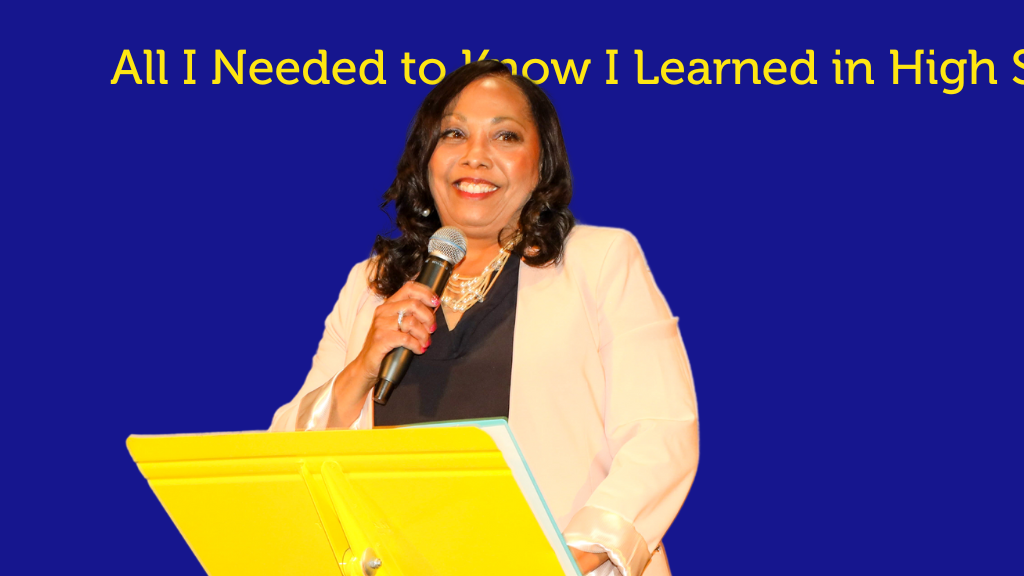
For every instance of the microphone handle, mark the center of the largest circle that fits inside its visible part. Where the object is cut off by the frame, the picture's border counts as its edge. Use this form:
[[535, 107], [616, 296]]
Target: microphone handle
[[434, 275]]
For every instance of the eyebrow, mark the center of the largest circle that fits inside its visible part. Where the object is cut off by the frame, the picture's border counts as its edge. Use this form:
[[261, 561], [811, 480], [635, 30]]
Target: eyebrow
[[495, 120]]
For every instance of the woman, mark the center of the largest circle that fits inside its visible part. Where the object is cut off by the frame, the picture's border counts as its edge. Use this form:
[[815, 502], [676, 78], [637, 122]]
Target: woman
[[558, 327]]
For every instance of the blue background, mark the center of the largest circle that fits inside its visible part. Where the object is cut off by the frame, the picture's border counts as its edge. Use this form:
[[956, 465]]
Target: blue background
[[845, 261]]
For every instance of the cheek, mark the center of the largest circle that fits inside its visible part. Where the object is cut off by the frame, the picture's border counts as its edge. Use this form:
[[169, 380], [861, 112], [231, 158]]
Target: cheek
[[437, 171], [533, 166], [528, 173]]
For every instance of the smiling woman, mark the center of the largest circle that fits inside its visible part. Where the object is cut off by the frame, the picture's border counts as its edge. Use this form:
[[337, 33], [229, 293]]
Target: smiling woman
[[486, 162], [483, 169], [557, 327]]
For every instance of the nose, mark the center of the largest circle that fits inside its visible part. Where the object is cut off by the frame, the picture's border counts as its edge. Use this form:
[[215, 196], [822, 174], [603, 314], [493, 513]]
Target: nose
[[478, 152]]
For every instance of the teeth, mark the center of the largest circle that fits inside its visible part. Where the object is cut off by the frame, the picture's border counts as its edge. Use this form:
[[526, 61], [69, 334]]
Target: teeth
[[475, 188]]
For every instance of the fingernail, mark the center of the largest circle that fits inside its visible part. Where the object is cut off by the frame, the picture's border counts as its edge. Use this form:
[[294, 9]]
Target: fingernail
[[435, 301], [433, 327], [423, 350]]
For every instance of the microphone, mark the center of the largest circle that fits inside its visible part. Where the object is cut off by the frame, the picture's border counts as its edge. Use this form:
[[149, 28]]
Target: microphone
[[447, 247]]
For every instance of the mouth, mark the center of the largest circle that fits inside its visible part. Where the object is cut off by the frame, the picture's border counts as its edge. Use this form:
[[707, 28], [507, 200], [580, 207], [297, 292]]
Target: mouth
[[474, 187]]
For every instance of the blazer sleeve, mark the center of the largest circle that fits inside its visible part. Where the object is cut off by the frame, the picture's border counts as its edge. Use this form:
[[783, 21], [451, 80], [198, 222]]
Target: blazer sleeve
[[311, 408], [650, 416]]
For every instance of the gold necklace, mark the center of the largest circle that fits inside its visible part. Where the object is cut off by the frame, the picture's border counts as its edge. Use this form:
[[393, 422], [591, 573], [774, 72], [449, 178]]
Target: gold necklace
[[461, 293]]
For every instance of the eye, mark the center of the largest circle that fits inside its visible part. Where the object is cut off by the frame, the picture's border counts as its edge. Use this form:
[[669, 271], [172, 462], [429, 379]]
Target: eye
[[508, 136], [452, 134]]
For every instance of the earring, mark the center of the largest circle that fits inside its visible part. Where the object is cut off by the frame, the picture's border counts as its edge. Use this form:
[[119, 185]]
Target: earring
[[425, 212]]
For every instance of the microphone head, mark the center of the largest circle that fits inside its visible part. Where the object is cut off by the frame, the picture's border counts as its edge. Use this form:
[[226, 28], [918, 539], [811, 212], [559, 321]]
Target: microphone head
[[448, 243]]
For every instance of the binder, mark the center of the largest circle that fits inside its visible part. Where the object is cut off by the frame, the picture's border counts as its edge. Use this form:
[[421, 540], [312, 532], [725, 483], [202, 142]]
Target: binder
[[439, 499]]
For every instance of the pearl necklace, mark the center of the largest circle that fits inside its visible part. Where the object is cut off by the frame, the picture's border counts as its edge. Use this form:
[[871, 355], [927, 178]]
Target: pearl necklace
[[461, 293]]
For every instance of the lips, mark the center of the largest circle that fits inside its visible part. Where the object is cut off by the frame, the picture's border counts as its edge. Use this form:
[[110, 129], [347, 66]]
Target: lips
[[474, 187]]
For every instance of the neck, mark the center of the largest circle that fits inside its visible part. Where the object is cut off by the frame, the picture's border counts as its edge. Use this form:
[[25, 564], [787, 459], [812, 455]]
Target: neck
[[479, 253]]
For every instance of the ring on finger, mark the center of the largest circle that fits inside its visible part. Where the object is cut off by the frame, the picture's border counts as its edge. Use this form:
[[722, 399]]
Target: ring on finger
[[401, 314]]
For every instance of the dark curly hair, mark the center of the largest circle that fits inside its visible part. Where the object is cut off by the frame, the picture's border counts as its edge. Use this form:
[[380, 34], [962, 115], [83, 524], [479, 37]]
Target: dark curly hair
[[545, 220]]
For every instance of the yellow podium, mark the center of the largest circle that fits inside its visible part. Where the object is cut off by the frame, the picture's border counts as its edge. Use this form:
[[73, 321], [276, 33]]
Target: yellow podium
[[442, 500]]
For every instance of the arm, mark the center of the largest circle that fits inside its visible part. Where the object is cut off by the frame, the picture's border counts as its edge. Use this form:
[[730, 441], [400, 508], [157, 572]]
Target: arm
[[315, 399], [650, 416], [336, 394]]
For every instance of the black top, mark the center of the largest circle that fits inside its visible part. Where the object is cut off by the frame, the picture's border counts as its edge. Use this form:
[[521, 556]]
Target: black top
[[466, 372]]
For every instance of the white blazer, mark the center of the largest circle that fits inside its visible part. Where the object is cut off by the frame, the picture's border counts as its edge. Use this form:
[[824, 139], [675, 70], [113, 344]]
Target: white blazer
[[602, 400]]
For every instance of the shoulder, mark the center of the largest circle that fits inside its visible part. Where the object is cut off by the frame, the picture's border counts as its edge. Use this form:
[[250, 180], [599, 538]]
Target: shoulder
[[596, 246], [358, 277], [354, 295], [594, 237], [360, 273], [357, 285]]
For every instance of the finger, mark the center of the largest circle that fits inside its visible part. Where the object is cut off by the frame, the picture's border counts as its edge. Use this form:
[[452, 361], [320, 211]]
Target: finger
[[417, 330], [380, 342], [416, 310], [416, 291], [386, 328], [388, 313], [394, 340]]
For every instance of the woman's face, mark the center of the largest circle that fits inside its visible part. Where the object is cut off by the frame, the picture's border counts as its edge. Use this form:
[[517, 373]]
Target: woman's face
[[487, 161]]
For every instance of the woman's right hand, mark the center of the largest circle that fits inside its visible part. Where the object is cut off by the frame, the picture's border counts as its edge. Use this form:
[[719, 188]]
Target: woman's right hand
[[416, 302]]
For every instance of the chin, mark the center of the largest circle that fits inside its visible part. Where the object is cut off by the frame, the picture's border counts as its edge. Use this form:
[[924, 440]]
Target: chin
[[473, 218], [474, 226]]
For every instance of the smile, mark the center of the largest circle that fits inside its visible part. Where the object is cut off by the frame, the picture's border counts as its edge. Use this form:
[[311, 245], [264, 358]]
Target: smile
[[474, 187]]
